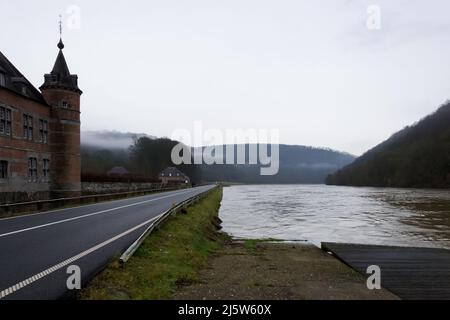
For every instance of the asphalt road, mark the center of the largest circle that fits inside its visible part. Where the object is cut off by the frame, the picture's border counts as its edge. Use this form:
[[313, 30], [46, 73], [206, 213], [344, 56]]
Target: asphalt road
[[36, 250]]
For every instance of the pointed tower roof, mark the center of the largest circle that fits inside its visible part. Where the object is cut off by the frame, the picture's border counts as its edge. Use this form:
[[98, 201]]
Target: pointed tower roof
[[60, 66], [60, 77]]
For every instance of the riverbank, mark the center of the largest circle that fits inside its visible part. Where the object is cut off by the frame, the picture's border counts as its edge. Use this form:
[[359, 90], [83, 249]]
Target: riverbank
[[188, 258], [171, 256], [267, 270]]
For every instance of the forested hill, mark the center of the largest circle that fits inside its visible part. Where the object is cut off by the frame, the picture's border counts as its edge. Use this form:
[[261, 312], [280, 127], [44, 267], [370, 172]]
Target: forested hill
[[146, 157], [417, 156], [298, 164]]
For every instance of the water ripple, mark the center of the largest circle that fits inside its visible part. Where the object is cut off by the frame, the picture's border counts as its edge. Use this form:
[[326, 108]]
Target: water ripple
[[318, 213]]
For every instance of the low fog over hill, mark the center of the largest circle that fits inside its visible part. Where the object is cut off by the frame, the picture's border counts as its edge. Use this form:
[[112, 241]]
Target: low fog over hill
[[110, 139]]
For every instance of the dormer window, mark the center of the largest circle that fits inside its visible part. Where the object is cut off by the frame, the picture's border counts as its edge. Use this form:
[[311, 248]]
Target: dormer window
[[2, 80], [24, 90]]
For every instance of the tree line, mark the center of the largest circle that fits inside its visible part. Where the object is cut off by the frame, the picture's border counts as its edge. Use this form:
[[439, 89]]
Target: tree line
[[147, 157]]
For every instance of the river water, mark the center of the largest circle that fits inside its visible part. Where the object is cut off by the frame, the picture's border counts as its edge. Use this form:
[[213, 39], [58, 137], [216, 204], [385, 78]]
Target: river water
[[319, 213]]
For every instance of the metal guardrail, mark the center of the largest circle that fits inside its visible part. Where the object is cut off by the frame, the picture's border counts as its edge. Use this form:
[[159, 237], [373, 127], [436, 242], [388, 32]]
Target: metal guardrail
[[55, 203], [160, 221]]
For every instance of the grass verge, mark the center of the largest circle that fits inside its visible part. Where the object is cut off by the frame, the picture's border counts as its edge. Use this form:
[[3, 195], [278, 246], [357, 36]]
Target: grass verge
[[169, 257]]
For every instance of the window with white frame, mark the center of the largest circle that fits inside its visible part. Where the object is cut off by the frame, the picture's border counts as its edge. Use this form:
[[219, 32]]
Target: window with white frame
[[46, 168], [43, 131], [32, 169], [5, 121], [28, 127], [3, 169]]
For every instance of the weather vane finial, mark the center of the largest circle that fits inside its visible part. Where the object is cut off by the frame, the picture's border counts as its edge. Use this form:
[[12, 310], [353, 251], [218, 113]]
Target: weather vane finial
[[60, 26], [60, 44]]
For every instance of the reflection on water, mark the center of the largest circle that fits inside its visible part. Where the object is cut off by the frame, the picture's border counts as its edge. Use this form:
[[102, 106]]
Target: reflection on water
[[318, 213]]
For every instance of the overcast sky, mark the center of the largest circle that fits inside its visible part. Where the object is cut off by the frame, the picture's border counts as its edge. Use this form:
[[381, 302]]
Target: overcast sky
[[311, 68]]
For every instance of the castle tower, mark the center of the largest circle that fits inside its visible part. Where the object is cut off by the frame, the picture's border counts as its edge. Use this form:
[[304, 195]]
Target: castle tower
[[60, 90]]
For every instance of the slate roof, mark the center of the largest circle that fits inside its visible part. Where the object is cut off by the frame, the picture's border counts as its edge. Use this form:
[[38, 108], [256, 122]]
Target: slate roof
[[172, 172], [16, 82], [118, 171]]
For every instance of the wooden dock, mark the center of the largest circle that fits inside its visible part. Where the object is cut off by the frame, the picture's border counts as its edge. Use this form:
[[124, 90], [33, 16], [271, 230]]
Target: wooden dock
[[409, 272]]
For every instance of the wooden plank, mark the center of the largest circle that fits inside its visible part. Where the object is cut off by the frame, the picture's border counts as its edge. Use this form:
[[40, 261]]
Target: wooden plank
[[409, 272]]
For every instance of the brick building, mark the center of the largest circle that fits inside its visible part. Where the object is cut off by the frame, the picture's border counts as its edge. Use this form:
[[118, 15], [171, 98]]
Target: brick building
[[39, 133], [174, 176]]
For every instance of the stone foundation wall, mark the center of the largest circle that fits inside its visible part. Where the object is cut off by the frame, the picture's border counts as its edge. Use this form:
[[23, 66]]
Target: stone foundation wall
[[15, 197], [88, 188], [12, 209]]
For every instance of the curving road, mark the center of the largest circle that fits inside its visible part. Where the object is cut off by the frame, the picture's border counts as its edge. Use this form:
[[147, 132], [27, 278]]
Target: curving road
[[36, 250]]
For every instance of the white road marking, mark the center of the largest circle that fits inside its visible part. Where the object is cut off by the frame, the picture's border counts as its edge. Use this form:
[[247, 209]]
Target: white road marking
[[66, 262], [90, 205], [89, 215]]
